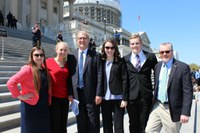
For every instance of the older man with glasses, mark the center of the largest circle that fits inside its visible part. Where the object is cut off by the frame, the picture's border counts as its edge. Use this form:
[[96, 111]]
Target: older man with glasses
[[87, 84], [173, 93]]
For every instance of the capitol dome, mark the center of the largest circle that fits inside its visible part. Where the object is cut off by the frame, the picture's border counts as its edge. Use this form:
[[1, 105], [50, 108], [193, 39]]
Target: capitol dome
[[97, 10], [113, 3]]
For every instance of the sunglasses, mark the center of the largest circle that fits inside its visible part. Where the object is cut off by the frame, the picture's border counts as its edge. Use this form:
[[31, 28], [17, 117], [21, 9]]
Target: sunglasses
[[166, 52], [107, 48], [37, 55]]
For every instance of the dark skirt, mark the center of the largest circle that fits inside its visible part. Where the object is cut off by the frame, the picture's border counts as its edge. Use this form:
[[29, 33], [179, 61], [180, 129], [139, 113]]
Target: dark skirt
[[35, 118]]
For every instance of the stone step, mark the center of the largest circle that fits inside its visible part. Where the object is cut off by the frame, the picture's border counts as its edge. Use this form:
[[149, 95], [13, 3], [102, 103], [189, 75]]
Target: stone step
[[25, 35], [9, 107], [9, 68], [9, 121], [3, 80], [7, 73], [12, 63], [13, 130], [3, 88], [13, 122], [6, 97]]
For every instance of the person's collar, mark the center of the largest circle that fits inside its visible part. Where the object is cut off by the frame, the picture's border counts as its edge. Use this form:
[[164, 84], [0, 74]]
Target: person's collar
[[140, 54], [85, 51], [169, 63]]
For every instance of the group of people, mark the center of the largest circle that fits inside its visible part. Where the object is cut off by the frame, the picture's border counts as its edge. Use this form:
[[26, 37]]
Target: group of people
[[103, 81], [11, 19]]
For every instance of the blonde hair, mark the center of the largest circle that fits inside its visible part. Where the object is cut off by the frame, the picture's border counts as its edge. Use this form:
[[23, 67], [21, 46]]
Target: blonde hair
[[135, 36], [66, 45]]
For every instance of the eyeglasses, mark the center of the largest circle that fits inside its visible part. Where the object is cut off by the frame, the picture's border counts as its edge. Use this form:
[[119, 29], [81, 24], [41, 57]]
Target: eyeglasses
[[166, 52], [137, 43], [37, 55], [107, 48], [82, 38]]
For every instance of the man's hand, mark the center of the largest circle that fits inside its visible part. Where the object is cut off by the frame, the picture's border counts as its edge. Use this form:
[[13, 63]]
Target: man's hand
[[70, 98], [123, 104], [98, 100], [184, 119]]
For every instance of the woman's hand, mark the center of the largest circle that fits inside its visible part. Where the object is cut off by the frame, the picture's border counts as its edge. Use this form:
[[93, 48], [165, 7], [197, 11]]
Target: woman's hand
[[27, 96]]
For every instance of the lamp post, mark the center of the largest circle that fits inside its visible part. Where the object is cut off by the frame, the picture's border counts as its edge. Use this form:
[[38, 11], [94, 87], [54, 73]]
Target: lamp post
[[104, 19]]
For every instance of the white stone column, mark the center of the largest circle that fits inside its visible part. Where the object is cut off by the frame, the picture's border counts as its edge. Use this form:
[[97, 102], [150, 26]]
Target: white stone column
[[49, 12], [71, 9], [34, 12], [20, 11], [61, 3], [6, 7], [14, 7]]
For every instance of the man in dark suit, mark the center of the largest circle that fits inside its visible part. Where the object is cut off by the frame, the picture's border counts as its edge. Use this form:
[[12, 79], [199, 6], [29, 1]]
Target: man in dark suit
[[87, 85], [139, 66], [173, 93]]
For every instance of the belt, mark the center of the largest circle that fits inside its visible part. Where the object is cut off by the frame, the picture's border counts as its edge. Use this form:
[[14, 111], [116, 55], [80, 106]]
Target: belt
[[80, 88]]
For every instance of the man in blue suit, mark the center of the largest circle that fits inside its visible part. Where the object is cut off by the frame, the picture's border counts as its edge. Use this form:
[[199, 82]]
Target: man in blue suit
[[86, 78], [173, 93]]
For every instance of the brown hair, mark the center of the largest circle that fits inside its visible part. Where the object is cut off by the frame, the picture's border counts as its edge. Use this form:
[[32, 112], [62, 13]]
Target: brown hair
[[36, 69], [116, 53]]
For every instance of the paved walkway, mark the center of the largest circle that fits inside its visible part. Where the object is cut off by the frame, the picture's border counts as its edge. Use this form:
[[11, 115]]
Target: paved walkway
[[186, 128]]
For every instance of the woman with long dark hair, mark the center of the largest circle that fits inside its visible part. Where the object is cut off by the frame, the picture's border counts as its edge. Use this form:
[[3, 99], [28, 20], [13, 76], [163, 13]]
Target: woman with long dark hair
[[114, 86], [35, 94]]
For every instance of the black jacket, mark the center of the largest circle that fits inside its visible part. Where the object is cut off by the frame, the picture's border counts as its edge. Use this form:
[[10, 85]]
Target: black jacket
[[118, 79], [140, 82]]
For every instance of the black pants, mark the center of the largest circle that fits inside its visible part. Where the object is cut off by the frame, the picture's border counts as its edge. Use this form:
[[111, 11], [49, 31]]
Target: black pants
[[138, 112], [36, 43], [109, 107], [88, 119], [59, 114]]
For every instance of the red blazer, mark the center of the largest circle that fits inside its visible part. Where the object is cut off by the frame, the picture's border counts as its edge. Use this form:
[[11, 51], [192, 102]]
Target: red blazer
[[24, 77]]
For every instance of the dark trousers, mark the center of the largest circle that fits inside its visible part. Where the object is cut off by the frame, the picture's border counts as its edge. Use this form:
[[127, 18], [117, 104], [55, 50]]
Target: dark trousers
[[109, 107], [138, 112], [36, 43], [88, 120], [59, 114]]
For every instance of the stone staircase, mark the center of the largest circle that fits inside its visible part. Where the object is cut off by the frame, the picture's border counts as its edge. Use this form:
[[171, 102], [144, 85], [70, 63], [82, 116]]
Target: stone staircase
[[26, 35], [9, 107]]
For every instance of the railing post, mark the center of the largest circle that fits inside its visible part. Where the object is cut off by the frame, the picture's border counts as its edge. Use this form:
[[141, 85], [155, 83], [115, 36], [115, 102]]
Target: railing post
[[3, 33], [2, 48], [195, 117]]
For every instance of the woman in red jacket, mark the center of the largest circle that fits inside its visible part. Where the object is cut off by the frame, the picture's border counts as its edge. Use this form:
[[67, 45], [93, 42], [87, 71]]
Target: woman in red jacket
[[61, 88], [35, 94]]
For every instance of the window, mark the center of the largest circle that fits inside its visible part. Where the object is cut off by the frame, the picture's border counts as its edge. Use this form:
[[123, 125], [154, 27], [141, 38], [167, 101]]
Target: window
[[55, 10], [43, 5]]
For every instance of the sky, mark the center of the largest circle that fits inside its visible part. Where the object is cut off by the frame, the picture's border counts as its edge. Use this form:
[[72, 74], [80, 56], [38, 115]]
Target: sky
[[175, 21]]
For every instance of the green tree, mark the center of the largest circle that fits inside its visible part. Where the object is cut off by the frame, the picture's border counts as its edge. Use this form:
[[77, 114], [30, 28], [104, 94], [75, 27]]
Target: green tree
[[194, 66]]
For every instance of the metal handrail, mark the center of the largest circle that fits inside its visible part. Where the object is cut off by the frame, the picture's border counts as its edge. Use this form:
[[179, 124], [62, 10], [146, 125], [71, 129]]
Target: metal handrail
[[195, 117]]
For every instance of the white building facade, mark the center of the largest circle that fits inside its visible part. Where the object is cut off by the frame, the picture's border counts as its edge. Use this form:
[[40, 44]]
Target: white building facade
[[99, 18]]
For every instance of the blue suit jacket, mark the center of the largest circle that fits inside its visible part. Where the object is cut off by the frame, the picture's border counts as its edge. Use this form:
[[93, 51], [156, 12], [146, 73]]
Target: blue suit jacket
[[179, 89]]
